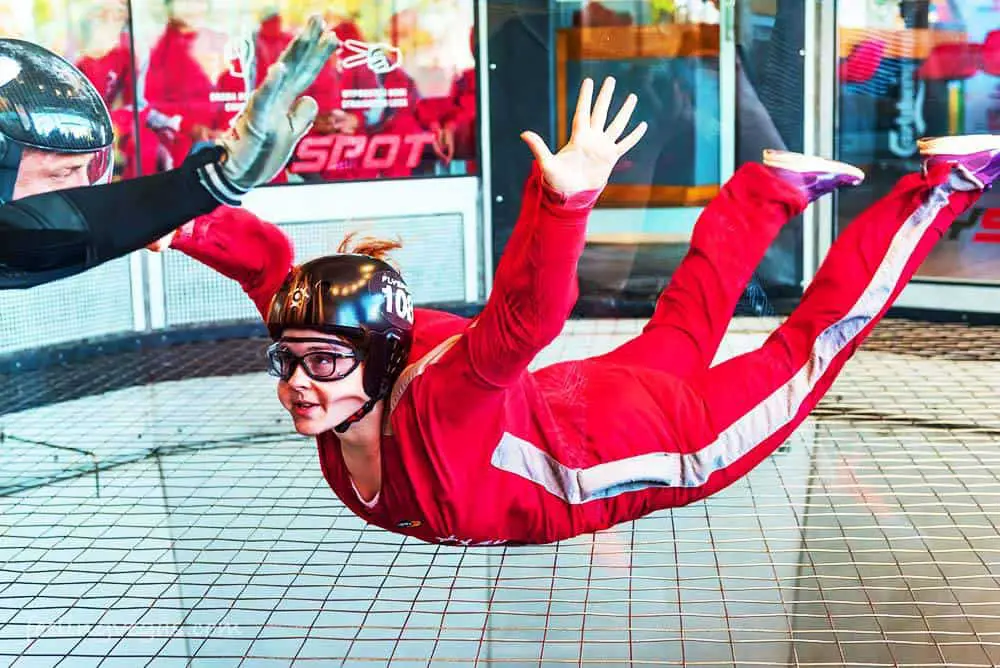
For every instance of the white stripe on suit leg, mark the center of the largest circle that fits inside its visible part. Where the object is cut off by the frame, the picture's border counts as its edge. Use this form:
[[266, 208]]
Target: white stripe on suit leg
[[666, 469]]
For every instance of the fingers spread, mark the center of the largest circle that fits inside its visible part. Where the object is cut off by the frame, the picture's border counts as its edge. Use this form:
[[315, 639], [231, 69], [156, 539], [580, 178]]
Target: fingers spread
[[622, 118], [300, 46], [302, 115], [600, 115], [311, 62], [581, 118], [328, 44], [537, 146], [263, 99], [625, 145]]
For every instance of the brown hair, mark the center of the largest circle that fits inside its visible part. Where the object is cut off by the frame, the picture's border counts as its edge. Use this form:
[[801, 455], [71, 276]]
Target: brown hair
[[373, 246]]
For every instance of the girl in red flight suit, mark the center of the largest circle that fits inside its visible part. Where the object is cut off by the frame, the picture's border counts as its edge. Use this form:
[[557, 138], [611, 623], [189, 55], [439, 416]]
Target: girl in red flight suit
[[431, 425]]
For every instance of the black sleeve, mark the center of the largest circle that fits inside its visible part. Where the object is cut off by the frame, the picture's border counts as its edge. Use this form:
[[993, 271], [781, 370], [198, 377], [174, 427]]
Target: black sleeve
[[65, 232]]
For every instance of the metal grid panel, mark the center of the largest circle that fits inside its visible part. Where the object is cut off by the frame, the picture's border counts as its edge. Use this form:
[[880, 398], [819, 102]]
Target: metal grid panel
[[864, 543], [95, 303], [432, 260]]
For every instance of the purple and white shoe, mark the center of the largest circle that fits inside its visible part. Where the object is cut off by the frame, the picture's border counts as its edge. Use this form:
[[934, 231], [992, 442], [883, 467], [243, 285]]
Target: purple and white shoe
[[814, 176], [977, 157]]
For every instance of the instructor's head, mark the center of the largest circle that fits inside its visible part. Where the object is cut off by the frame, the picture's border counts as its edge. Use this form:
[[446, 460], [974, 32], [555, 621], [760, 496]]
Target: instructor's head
[[55, 131], [342, 328]]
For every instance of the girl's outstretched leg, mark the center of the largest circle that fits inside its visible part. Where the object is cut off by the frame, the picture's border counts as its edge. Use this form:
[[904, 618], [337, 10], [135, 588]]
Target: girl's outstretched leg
[[753, 402], [729, 240]]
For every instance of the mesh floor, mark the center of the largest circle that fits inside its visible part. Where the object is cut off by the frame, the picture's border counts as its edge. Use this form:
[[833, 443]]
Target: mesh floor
[[180, 522]]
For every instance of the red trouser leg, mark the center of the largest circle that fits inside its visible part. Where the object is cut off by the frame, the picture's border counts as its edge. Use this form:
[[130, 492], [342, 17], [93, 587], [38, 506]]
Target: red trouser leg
[[753, 402], [729, 240]]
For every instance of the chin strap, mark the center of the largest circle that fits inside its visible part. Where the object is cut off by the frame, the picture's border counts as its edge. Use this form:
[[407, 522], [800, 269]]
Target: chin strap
[[365, 409], [397, 356]]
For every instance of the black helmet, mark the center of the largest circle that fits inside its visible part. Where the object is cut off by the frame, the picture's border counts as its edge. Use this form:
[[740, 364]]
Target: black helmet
[[359, 297], [48, 104]]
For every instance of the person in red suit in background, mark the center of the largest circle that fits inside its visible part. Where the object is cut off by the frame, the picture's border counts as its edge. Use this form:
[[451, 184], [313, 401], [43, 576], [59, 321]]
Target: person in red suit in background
[[178, 83], [402, 121], [328, 91], [332, 118], [421, 114], [450, 120], [106, 61], [111, 72], [138, 149], [453, 119], [269, 41]]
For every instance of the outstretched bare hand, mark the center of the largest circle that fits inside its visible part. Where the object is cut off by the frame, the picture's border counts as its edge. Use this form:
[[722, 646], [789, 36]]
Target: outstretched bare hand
[[586, 161]]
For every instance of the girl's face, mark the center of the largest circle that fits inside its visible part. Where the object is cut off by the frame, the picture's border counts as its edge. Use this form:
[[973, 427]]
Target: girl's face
[[317, 406]]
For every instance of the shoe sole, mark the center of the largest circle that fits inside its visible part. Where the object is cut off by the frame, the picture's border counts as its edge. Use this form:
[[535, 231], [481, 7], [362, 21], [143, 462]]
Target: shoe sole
[[797, 162], [960, 145]]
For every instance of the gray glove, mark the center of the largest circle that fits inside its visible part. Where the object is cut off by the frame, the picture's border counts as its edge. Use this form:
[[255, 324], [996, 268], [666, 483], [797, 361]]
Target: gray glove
[[275, 118]]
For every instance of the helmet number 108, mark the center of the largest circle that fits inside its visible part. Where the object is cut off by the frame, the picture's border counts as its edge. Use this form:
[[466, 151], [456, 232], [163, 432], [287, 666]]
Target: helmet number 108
[[398, 302]]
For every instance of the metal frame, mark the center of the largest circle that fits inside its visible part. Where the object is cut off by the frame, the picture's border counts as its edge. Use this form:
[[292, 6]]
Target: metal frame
[[140, 296], [944, 295], [485, 161], [727, 90], [820, 125], [156, 292]]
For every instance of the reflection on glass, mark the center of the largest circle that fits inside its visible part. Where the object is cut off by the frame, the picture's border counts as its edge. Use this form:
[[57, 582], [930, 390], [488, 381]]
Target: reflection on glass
[[913, 68], [668, 53], [670, 60], [93, 35], [398, 99]]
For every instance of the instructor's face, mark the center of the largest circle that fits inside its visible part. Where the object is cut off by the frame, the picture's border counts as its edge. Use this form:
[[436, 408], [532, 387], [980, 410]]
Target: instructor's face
[[319, 406], [42, 172]]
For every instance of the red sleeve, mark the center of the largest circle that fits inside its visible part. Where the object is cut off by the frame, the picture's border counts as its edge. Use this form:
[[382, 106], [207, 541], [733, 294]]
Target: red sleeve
[[240, 246], [535, 286]]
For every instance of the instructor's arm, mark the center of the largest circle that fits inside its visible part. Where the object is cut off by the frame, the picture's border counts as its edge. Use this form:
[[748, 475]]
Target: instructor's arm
[[70, 231], [54, 235]]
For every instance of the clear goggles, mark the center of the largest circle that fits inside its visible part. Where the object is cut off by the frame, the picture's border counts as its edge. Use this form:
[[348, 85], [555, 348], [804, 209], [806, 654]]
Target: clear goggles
[[320, 365]]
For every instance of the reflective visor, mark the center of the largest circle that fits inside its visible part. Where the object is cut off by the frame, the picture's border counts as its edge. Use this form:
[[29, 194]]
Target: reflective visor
[[102, 167]]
